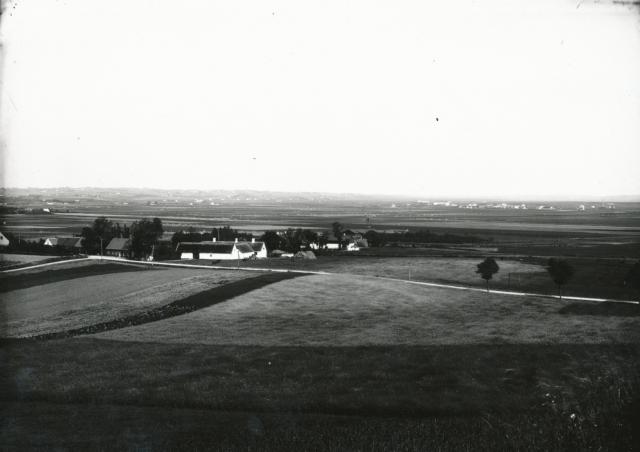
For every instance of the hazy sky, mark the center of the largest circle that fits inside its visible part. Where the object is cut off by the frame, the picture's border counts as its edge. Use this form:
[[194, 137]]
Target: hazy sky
[[477, 98]]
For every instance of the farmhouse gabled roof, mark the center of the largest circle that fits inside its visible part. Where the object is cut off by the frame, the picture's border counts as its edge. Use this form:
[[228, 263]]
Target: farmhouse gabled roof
[[244, 247], [257, 246], [119, 244], [69, 242], [207, 247]]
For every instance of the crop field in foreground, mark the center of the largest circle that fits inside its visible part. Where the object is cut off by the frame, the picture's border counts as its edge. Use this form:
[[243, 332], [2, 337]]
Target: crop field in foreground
[[332, 310], [328, 362], [59, 302]]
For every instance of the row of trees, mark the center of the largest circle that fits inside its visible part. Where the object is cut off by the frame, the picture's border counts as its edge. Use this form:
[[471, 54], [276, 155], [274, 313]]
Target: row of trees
[[560, 271], [378, 239], [292, 240], [225, 233]]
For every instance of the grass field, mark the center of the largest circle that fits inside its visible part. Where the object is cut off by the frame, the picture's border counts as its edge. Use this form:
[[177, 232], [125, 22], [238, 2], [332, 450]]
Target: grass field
[[593, 277], [331, 310], [319, 362], [8, 261], [56, 300], [100, 394]]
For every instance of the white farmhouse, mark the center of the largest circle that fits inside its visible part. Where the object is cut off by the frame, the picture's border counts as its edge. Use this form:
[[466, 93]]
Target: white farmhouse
[[260, 249], [216, 250]]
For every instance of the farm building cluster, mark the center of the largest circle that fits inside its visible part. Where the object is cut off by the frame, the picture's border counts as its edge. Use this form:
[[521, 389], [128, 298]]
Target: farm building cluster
[[209, 250]]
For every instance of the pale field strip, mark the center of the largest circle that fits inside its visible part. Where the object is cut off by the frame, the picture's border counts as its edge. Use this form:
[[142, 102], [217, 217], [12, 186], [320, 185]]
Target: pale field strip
[[314, 272], [90, 300], [23, 258], [347, 310]]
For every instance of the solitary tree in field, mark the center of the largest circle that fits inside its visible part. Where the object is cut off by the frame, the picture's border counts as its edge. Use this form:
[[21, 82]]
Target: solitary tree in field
[[561, 272], [487, 268]]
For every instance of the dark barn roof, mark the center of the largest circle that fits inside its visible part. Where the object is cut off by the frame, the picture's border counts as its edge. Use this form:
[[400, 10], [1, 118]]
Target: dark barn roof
[[206, 247], [214, 247], [69, 242], [244, 247], [256, 246], [118, 244]]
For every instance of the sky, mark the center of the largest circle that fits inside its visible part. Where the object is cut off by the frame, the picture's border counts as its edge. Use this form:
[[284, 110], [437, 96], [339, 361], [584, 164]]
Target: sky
[[469, 98]]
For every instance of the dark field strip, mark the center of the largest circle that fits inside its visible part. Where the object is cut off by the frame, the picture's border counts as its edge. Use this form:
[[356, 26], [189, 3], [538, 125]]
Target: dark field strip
[[197, 301], [15, 281], [469, 397], [43, 426]]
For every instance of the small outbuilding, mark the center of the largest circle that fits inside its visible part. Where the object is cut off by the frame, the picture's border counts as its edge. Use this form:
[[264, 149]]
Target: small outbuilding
[[305, 255]]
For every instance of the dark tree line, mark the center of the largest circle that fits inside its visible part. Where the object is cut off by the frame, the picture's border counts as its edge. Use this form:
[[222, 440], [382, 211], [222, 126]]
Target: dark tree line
[[225, 233], [20, 245], [291, 240], [143, 235], [99, 234]]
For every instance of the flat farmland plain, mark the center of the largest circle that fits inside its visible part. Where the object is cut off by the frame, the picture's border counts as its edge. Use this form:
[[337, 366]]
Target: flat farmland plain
[[623, 221]]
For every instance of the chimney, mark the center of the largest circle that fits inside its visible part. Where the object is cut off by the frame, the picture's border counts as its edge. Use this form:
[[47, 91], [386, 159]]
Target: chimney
[[253, 240], [236, 239], [213, 239]]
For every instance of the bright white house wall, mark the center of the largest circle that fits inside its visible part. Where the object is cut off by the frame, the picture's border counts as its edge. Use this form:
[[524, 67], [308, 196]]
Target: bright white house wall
[[3, 240], [262, 254], [332, 246], [235, 254]]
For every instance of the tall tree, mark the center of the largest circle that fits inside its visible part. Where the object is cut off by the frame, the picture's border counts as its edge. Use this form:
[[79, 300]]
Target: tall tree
[[487, 269], [309, 237], [338, 231], [98, 236], [373, 238], [144, 236], [272, 240], [560, 271]]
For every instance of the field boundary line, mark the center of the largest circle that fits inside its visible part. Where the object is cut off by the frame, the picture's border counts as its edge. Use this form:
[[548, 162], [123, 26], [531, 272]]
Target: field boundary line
[[11, 270], [311, 272], [214, 267], [508, 292]]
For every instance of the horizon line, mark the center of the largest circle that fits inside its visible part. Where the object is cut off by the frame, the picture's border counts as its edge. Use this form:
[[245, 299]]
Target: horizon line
[[415, 197]]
